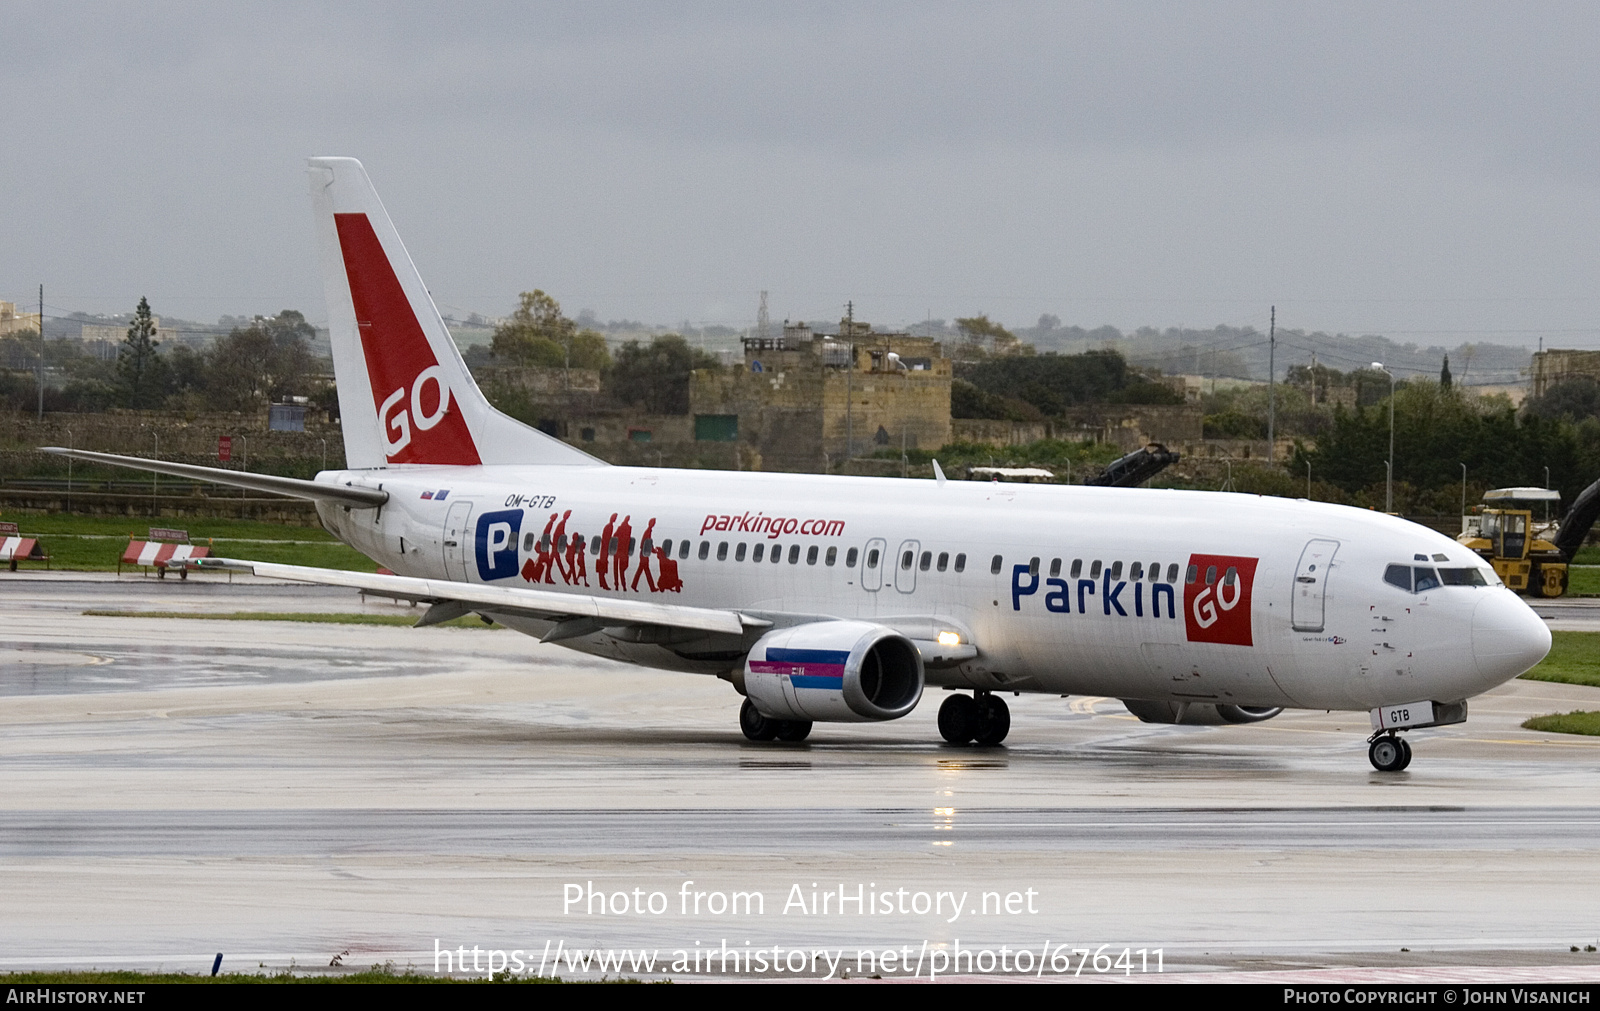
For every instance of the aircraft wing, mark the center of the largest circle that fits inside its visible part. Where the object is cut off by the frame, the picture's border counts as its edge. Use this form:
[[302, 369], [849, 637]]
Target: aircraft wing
[[585, 612]]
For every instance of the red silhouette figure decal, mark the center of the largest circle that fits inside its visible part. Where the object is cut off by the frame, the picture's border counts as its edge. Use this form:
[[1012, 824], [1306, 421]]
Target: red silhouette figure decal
[[602, 566], [577, 565], [619, 558], [668, 579], [644, 559]]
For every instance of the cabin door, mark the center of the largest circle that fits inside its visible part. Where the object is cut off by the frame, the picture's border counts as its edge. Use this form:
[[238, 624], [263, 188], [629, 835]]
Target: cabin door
[[1311, 586]]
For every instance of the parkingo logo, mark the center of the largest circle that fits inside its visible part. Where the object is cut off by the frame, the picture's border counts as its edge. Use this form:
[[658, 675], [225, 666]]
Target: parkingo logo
[[621, 555], [1216, 599]]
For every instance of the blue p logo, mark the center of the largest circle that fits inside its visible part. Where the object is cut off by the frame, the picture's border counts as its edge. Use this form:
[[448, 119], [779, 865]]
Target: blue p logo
[[496, 544]]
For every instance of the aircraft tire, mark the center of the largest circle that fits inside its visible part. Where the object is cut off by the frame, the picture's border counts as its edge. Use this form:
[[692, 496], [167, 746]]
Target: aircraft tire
[[1405, 754], [1388, 754], [958, 719], [794, 730], [994, 721], [755, 726]]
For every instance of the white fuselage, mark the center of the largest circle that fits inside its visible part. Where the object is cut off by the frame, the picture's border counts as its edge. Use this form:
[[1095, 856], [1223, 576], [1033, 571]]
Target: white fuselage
[[1088, 617]]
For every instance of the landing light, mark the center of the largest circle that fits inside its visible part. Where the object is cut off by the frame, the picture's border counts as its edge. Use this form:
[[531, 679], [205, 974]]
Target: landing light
[[949, 639]]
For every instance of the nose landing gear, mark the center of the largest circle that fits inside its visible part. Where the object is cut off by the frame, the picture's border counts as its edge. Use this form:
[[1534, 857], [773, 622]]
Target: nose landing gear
[[980, 718], [1388, 751]]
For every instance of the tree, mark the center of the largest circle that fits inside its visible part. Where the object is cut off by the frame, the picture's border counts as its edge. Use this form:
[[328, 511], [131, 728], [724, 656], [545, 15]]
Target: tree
[[656, 377], [264, 362], [538, 334], [980, 330], [140, 376]]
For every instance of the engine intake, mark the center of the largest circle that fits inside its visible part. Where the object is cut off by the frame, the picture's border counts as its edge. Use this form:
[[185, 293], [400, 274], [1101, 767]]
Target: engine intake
[[834, 672]]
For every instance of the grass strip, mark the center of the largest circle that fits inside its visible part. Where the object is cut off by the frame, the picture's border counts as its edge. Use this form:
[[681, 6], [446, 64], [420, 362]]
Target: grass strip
[[1574, 659], [1575, 722], [315, 617]]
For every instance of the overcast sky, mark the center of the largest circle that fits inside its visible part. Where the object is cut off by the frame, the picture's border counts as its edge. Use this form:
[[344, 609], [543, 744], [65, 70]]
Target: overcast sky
[[1427, 171]]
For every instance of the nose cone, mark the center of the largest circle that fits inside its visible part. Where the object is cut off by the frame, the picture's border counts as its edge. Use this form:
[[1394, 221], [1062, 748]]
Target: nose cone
[[1507, 637]]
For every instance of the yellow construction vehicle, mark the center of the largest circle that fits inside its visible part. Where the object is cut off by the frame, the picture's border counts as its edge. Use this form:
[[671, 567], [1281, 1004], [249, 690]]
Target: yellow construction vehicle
[[1530, 552]]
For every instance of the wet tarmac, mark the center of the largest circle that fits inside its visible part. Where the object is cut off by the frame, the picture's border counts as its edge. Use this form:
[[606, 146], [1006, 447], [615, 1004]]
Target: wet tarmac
[[170, 788]]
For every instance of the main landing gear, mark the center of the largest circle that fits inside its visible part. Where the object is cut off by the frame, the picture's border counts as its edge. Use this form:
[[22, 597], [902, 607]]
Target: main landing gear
[[1388, 751], [979, 718], [764, 728]]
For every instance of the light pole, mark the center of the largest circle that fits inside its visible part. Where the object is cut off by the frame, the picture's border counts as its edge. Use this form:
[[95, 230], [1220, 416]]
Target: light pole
[[1463, 496], [1388, 484]]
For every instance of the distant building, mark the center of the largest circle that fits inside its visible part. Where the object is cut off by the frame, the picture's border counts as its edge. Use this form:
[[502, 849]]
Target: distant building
[[805, 399], [1550, 367], [12, 321]]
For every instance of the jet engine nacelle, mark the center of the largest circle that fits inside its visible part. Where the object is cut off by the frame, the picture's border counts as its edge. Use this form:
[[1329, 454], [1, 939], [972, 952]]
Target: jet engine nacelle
[[1204, 713], [834, 672]]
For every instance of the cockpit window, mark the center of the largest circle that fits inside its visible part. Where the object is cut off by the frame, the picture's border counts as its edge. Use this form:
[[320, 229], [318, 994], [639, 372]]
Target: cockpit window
[[1398, 575], [1421, 578], [1462, 577]]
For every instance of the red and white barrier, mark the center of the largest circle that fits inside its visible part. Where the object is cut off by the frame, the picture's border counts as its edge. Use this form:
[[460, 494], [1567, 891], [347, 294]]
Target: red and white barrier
[[21, 549], [161, 557]]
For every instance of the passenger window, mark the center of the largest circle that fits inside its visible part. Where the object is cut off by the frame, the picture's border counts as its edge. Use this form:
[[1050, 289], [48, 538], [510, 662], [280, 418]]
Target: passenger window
[[1116, 570], [1077, 567], [811, 555], [561, 544], [777, 553], [705, 550], [1211, 575], [961, 563], [872, 558], [1426, 579], [794, 554], [1094, 569], [1136, 573], [594, 545], [722, 551], [1398, 575], [738, 552], [1055, 567], [758, 553], [905, 559], [849, 558], [831, 557], [1172, 573], [1230, 577], [944, 560], [1192, 574], [927, 560], [666, 548], [648, 545], [683, 549], [527, 541], [994, 566], [1033, 566]]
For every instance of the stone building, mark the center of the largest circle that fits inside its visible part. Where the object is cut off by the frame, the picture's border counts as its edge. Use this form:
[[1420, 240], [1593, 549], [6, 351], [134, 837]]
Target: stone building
[[1550, 367], [805, 401]]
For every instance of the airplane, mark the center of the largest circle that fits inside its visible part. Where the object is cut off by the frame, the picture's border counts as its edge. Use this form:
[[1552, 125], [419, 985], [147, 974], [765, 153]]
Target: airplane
[[842, 599]]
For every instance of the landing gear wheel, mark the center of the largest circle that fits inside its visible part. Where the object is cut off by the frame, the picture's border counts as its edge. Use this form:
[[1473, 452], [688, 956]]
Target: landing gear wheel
[[1405, 749], [1389, 754], [994, 721], [794, 730], [755, 726], [958, 719]]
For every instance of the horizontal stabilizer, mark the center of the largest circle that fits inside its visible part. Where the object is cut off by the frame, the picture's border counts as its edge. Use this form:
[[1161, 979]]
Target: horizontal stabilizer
[[291, 486]]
